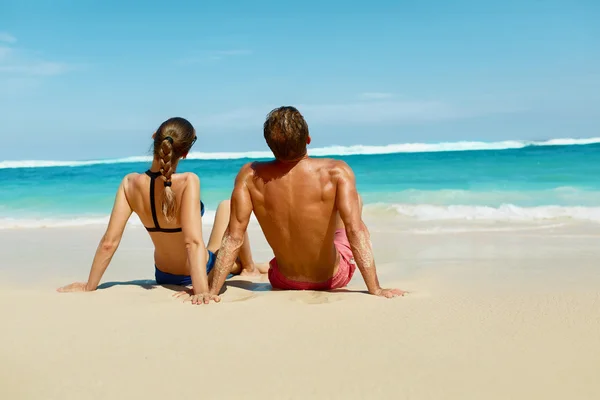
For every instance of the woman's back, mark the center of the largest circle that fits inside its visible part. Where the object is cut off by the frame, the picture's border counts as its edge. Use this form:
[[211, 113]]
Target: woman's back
[[169, 206], [144, 193]]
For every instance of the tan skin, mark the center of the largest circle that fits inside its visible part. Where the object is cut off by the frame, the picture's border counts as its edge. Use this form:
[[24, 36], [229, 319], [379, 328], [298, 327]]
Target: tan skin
[[299, 205], [181, 253]]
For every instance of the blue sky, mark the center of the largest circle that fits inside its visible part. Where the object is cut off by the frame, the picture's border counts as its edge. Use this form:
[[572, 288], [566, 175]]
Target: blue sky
[[92, 79]]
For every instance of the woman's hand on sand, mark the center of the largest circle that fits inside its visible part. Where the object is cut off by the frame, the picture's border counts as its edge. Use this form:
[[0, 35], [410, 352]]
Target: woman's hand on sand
[[389, 293], [205, 298], [197, 299], [73, 287]]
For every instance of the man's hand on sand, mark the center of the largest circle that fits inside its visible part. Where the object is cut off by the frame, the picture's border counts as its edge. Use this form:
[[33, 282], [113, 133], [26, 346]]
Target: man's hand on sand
[[389, 293], [197, 299], [73, 287]]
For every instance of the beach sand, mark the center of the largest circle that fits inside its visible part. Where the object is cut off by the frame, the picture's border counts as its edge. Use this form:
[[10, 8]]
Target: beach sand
[[496, 311]]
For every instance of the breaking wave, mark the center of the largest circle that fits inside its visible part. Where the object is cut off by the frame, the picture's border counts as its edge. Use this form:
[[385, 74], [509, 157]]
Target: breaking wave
[[323, 151]]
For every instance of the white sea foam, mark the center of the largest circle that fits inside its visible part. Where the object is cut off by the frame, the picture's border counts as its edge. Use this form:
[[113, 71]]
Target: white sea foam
[[445, 230], [66, 222], [29, 223], [506, 212], [48, 163], [324, 151], [563, 196]]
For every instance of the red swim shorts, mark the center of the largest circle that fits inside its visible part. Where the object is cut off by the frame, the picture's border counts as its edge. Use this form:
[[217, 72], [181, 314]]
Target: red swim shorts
[[342, 277]]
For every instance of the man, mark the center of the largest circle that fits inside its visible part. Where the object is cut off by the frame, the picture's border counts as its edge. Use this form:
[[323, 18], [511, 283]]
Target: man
[[309, 210]]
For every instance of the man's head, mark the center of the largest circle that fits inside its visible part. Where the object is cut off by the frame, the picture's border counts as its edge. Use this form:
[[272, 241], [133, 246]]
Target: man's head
[[286, 133]]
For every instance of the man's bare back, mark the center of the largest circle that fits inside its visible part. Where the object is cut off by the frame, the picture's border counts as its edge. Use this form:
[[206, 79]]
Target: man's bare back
[[309, 210], [295, 205]]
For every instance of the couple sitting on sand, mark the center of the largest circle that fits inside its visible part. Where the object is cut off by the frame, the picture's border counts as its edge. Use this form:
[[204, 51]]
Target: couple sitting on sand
[[309, 210]]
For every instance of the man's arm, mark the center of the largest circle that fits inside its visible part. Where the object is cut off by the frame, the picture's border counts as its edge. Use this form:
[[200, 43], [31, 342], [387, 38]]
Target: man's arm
[[241, 209], [348, 205]]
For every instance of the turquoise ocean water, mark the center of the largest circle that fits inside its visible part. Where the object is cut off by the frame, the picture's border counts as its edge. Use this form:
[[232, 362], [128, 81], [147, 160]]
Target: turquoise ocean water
[[448, 181]]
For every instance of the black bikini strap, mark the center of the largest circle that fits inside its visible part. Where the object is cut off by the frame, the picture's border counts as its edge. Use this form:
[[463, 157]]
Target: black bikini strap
[[153, 176], [164, 230]]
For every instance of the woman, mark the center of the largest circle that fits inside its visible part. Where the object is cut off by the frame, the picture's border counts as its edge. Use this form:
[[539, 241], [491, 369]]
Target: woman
[[169, 206]]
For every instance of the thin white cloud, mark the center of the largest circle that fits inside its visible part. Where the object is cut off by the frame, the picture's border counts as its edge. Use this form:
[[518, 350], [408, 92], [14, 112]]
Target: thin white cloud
[[17, 62], [7, 38], [377, 95], [43, 68], [342, 114]]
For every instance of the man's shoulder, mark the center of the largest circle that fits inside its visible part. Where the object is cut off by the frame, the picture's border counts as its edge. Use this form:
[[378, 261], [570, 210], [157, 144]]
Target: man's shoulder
[[248, 170], [249, 167], [334, 167]]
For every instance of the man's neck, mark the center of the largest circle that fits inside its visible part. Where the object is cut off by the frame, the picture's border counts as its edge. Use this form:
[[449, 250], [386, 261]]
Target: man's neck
[[294, 161]]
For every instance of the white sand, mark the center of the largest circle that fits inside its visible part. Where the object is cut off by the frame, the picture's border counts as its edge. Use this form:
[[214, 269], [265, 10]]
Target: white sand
[[503, 312]]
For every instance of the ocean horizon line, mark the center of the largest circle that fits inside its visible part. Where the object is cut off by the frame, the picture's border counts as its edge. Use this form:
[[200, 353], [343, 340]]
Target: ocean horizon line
[[334, 150]]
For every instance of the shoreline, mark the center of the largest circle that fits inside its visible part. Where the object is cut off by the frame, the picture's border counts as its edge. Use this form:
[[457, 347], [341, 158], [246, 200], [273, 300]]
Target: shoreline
[[415, 215], [395, 242]]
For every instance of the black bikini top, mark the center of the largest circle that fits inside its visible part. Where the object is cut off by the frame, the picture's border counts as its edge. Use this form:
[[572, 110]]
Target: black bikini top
[[157, 228]]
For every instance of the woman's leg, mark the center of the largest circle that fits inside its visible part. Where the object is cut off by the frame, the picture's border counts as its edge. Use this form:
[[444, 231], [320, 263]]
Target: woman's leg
[[244, 264], [219, 226]]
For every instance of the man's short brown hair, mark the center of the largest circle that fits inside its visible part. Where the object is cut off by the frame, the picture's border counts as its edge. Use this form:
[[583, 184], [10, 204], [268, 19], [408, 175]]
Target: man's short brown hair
[[286, 133]]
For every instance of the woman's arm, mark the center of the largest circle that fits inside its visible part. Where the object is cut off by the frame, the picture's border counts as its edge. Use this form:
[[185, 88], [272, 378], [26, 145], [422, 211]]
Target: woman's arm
[[191, 225], [108, 245]]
